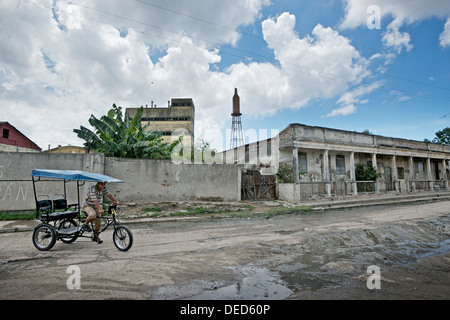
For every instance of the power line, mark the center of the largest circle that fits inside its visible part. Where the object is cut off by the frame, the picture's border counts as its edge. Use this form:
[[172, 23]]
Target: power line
[[426, 125], [262, 38], [292, 67], [322, 73]]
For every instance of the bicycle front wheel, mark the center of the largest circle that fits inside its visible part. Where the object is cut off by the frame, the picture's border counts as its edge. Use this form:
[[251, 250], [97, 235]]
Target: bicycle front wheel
[[123, 238]]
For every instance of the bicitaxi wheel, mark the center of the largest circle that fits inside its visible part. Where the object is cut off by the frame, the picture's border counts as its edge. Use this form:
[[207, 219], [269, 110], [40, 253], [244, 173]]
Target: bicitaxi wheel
[[44, 237]]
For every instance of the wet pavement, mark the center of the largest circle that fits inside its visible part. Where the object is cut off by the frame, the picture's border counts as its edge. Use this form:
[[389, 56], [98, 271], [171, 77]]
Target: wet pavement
[[313, 255]]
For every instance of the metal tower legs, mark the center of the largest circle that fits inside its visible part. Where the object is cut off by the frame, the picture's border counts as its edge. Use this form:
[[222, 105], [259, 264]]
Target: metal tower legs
[[237, 136]]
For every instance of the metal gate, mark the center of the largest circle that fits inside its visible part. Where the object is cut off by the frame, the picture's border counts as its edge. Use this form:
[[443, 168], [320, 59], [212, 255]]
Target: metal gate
[[256, 186], [340, 187]]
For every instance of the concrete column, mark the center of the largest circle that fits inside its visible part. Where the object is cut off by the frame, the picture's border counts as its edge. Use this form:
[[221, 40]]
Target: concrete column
[[394, 174], [444, 172], [352, 173], [296, 189], [411, 174], [295, 164], [327, 173], [429, 176], [375, 166]]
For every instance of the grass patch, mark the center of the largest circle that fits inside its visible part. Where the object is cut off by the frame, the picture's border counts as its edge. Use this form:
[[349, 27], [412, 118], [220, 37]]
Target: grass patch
[[272, 212], [17, 215], [242, 213], [294, 210], [201, 210], [194, 211], [226, 211], [153, 209]]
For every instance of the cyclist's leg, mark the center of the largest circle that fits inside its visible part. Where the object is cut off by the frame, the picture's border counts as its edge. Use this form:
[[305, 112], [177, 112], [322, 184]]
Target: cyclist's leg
[[98, 223], [97, 226], [91, 215]]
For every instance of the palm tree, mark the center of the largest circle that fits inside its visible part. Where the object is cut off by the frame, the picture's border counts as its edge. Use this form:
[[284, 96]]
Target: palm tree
[[120, 136]]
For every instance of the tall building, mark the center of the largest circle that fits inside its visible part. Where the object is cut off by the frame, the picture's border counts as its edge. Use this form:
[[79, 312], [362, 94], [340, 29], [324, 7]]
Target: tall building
[[175, 119]]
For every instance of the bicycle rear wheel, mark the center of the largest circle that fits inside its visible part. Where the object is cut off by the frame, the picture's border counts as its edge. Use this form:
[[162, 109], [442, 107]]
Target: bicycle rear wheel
[[123, 238], [44, 237], [67, 224]]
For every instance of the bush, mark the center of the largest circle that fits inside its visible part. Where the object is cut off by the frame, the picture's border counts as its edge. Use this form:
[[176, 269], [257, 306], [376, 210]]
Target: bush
[[366, 173], [285, 173]]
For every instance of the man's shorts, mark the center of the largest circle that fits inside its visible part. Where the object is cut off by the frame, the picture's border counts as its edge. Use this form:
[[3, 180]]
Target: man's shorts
[[91, 212]]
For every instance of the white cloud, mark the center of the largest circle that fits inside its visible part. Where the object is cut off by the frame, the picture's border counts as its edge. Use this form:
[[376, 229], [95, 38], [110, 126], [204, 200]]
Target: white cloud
[[323, 64], [343, 111], [444, 38], [59, 63], [397, 40], [404, 11], [401, 12], [350, 98]]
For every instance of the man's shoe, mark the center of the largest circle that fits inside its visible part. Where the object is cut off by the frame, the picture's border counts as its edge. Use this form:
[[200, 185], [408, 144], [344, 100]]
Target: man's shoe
[[97, 239], [86, 228]]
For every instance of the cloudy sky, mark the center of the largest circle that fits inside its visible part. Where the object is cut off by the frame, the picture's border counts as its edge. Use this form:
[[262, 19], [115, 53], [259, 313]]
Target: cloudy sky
[[376, 65]]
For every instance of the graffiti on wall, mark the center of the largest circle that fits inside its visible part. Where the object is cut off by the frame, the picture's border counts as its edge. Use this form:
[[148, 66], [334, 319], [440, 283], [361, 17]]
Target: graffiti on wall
[[12, 190]]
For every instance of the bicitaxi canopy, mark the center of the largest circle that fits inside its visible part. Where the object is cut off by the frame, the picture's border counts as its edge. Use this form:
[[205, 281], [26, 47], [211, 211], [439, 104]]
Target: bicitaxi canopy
[[73, 175]]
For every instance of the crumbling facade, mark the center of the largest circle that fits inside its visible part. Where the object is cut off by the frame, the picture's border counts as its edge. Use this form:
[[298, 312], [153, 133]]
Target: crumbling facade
[[176, 119], [328, 158]]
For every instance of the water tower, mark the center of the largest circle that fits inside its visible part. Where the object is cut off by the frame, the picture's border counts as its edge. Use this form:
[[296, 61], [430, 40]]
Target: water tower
[[237, 136]]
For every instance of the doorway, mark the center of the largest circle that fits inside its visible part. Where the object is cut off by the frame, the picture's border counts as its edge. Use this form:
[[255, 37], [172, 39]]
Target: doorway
[[436, 170], [388, 178]]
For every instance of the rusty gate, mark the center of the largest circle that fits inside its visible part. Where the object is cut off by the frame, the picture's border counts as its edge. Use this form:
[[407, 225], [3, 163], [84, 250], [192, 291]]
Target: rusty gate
[[256, 186]]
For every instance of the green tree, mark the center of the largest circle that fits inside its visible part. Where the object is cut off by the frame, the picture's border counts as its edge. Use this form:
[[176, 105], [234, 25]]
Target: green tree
[[203, 151], [366, 173], [118, 135], [442, 136]]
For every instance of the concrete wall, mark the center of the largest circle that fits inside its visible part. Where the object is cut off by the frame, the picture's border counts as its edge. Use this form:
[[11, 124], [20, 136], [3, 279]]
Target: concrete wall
[[289, 192], [16, 188], [162, 180], [149, 180]]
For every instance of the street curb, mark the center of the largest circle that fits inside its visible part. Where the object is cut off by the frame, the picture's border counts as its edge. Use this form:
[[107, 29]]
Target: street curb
[[316, 206], [12, 230]]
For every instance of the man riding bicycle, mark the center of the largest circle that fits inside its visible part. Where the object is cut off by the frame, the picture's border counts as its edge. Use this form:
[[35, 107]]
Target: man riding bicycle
[[92, 206]]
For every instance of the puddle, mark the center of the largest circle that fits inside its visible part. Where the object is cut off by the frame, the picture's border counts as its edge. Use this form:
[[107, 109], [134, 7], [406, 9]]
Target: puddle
[[253, 283], [321, 262], [257, 284], [436, 249]]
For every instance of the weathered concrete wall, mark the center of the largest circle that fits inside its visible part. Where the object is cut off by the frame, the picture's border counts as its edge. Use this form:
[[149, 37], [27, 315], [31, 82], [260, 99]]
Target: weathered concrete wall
[[149, 180], [262, 155], [162, 180], [303, 136], [289, 192], [16, 188]]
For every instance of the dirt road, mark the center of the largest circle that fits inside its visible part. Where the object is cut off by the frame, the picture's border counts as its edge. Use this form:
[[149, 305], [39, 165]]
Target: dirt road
[[313, 255]]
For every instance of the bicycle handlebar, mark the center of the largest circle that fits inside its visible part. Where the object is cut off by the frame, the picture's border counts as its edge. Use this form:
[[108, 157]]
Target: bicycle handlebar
[[111, 207]]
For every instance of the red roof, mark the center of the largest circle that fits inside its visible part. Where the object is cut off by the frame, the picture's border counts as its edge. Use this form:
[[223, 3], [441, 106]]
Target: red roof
[[9, 135]]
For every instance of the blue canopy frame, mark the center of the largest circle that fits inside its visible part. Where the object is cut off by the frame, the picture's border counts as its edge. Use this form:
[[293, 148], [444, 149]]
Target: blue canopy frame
[[73, 175]]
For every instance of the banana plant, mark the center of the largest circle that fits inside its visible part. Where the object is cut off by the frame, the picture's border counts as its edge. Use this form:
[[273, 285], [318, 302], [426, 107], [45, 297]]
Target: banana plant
[[118, 135]]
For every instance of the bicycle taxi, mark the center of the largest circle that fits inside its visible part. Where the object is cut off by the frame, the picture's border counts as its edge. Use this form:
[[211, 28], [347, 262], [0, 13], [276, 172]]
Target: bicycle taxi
[[61, 220]]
